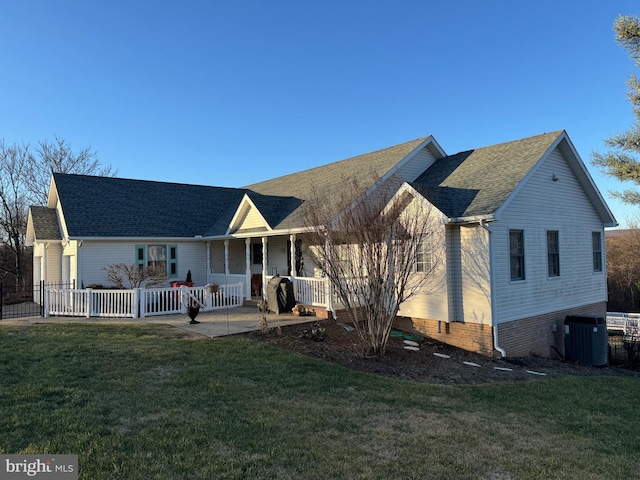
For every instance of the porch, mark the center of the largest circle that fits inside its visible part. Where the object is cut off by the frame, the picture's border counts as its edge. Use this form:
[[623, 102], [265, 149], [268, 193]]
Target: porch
[[149, 302]]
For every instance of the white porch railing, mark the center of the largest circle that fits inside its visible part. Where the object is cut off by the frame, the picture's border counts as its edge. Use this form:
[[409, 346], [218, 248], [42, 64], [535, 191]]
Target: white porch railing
[[311, 291], [627, 323], [139, 302]]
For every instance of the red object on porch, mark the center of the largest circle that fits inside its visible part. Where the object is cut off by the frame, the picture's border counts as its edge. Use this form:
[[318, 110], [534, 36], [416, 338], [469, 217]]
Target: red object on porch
[[180, 284]]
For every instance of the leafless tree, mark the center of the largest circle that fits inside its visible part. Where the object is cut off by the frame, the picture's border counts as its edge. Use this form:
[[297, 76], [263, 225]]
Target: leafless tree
[[623, 268], [24, 180], [134, 275], [57, 156], [378, 249], [14, 204]]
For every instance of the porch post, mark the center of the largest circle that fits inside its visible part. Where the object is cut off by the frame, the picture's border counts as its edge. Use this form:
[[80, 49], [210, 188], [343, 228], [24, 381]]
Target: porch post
[[226, 257], [292, 257], [264, 267], [209, 269], [45, 262], [328, 289], [247, 262]]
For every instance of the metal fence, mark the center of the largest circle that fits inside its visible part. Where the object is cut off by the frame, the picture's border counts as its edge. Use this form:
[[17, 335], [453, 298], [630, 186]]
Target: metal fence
[[25, 301]]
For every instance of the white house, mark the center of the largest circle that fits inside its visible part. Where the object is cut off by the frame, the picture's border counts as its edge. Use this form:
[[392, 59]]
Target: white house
[[524, 234]]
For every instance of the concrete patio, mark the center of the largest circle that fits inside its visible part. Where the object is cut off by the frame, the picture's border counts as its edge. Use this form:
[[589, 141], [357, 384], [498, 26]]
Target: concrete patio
[[215, 323]]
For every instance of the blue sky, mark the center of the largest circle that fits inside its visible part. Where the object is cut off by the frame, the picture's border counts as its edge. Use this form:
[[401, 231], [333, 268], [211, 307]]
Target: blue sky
[[229, 93]]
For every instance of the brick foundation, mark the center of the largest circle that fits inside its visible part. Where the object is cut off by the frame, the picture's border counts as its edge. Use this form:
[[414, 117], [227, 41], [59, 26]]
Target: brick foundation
[[535, 335], [474, 337], [519, 338]]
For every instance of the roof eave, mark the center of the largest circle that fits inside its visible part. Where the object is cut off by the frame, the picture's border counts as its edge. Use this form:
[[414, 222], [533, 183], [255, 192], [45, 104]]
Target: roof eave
[[471, 219]]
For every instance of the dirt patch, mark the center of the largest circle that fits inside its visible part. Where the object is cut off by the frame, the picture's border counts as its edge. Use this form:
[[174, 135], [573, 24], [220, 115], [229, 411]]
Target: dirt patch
[[433, 362]]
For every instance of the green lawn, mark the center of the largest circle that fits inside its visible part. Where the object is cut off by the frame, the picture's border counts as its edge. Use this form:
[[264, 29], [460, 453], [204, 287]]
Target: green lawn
[[146, 402]]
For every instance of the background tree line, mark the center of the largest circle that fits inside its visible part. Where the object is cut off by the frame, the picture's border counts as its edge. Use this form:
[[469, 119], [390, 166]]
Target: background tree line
[[623, 269], [621, 162], [25, 175]]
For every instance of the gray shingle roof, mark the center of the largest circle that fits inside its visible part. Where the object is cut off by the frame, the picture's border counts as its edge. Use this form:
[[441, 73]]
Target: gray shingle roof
[[273, 209], [472, 183], [116, 207], [478, 182], [332, 179], [45, 223]]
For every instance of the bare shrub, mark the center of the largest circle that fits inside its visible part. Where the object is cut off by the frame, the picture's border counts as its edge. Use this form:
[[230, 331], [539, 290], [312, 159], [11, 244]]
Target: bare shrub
[[135, 276], [379, 248]]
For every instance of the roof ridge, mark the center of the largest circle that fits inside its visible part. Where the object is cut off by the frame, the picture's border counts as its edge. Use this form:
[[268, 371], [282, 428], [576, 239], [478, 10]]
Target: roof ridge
[[138, 180], [555, 133], [308, 170]]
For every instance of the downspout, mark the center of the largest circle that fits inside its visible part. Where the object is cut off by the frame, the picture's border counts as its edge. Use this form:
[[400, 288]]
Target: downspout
[[491, 286]]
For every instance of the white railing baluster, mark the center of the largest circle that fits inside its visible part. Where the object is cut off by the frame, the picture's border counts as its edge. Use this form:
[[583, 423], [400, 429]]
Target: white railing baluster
[[148, 302]]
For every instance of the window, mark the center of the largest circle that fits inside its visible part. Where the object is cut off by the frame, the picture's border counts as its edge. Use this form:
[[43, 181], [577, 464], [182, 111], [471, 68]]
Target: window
[[553, 253], [424, 262], [257, 254], [141, 256], [173, 260], [516, 252], [596, 242], [156, 256]]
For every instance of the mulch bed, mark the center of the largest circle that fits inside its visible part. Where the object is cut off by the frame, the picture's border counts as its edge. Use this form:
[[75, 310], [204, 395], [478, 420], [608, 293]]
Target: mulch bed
[[434, 362]]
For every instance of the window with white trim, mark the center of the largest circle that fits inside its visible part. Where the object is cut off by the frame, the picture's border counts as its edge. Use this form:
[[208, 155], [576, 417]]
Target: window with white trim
[[424, 256], [516, 254], [596, 248], [553, 253], [162, 256]]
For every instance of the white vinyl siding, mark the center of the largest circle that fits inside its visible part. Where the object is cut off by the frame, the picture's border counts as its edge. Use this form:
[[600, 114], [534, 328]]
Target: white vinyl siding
[[53, 258], [476, 276], [416, 165], [277, 256], [250, 219], [94, 255], [237, 255], [543, 204], [434, 303]]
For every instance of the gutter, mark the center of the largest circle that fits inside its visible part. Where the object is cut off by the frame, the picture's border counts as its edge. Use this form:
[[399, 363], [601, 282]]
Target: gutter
[[491, 285]]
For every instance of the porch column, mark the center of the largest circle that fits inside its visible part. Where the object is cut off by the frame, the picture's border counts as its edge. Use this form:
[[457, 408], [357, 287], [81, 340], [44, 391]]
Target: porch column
[[79, 282], [292, 256], [247, 262], [45, 263], [226, 257], [209, 269], [328, 289], [264, 267]]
